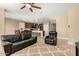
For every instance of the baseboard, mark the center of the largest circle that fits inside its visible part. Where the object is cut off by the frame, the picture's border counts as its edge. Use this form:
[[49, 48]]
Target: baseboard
[[66, 38], [71, 41]]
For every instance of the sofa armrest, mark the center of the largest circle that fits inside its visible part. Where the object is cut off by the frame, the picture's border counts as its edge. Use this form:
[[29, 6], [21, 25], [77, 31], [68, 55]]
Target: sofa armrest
[[34, 38], [7, 47], [46, 37], [6, 43]]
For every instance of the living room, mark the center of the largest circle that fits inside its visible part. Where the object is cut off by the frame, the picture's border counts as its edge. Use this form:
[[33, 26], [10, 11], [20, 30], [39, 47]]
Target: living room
[[37, 25]]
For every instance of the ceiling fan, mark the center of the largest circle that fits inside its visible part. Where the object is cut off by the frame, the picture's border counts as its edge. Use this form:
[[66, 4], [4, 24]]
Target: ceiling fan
[[30, 6]]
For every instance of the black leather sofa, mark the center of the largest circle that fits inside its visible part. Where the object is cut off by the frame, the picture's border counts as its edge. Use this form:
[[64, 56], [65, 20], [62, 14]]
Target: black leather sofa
[[13, 43], [51, 38]]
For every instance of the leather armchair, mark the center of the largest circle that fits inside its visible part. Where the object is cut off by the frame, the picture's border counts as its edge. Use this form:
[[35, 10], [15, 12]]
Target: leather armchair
[[51, 38]]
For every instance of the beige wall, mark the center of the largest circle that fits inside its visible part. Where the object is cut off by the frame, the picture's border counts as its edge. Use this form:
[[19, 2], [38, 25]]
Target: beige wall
[[10, 26], [2, 24], [2, 21], [68, 26], [73, 21], [62, 26]]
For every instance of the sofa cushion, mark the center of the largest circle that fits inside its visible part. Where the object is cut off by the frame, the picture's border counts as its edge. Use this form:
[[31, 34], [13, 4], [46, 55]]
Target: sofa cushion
[[11, 38], [17, 43], [7, 38], [51, 36], [20, 42], [25, 35], [16, 38]]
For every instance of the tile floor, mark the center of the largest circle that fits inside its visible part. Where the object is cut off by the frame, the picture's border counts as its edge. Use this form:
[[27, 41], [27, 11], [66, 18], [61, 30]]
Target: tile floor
[[42, 49]]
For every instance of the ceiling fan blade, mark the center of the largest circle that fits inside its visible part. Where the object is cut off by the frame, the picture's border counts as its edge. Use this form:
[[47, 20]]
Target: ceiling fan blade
[[24, 3], [23, 7], [31, 9], [36, 7], [31, 3]]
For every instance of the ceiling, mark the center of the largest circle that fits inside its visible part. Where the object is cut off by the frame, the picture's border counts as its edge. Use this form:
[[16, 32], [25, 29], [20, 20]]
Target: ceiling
[[49, 11]]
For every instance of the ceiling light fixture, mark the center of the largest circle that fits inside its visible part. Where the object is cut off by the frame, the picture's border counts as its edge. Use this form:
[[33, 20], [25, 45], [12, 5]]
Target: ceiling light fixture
[[28, 5]]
